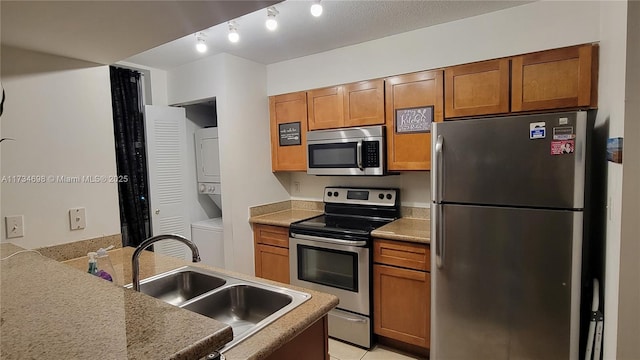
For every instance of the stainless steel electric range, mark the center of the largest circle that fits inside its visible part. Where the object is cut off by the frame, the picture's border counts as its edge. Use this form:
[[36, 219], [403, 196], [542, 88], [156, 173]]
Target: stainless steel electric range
[[332, 253]]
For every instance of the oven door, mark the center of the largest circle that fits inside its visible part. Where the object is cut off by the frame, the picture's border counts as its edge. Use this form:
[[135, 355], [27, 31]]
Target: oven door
[[325, 265]]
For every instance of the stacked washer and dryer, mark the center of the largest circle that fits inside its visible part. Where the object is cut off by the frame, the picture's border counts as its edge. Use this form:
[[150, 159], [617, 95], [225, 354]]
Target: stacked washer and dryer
[[208, 234]]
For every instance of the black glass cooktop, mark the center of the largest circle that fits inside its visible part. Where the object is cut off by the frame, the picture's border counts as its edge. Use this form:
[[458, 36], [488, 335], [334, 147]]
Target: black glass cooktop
[[339, 225]]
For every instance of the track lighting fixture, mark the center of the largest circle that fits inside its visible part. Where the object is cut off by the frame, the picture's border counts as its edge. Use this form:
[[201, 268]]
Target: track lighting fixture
[[233, 36], [316, 8], [201, 43], [271, 22]]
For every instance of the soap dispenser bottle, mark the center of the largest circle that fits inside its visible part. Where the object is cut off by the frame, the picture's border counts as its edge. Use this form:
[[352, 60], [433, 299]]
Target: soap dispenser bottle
[[105, 268], [93, 263]]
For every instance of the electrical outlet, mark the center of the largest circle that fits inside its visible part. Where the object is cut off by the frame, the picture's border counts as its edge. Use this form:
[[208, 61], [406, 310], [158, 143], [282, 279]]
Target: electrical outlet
[[77, 219], [14, 226], [296, 187]]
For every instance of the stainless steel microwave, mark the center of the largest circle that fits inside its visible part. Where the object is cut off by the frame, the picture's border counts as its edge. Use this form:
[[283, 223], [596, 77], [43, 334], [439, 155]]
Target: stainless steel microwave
[[347, 151]]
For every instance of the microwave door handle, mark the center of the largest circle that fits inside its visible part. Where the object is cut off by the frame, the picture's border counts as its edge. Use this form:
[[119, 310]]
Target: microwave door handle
[[359, 155]]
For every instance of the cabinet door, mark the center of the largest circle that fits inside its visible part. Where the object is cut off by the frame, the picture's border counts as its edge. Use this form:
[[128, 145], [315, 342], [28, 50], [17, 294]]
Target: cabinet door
[[401, 304], [411, 151], [272, 263], [326, 108], [285, 109], [364, 103], [480, 88], [560, 78]]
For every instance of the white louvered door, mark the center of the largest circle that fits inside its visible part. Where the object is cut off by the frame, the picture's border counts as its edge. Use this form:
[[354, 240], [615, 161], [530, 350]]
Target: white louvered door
[[166, 158]]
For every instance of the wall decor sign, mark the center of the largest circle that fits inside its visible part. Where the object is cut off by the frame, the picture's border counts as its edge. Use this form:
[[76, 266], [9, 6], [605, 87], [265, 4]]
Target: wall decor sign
[[290, 134], [414, 120]]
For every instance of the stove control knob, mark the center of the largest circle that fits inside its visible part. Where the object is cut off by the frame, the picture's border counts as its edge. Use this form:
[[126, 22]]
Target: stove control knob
[[335, 193], [329, 193], [388, 196], [380, 196]]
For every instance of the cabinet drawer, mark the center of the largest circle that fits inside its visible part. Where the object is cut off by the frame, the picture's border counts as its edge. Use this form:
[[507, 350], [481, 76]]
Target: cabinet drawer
[[403, 254], [271, 235]]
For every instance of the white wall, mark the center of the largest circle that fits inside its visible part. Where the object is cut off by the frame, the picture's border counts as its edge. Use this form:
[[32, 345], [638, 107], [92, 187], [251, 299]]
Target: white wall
[[239, 87], [611, 94], [415, 188], [59, 112], [629, 299]]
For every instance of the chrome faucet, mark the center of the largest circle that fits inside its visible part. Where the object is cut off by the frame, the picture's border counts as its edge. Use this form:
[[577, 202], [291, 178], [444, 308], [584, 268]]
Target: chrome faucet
[[135, 259]]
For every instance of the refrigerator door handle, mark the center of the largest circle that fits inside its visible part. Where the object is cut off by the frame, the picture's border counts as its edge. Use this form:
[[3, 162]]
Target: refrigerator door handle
[[439, 148], [439, 236]]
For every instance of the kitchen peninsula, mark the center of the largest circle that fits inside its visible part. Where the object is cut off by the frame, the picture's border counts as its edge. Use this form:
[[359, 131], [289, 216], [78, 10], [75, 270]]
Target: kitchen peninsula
[[51, 310]]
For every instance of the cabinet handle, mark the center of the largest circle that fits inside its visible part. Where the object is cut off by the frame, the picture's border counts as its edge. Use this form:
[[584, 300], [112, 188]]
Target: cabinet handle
[[157, 211]]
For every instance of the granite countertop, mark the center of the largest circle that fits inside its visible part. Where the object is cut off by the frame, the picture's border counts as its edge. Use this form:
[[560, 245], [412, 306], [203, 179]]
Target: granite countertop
[[405, 229], [43, 316], [52, 311], [284, 217]]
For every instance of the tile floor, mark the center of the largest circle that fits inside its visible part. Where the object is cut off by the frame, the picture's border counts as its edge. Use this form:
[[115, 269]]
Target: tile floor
[[341, 351]]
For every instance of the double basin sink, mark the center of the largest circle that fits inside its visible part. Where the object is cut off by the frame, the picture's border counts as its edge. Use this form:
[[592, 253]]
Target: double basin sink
[[246, 306]]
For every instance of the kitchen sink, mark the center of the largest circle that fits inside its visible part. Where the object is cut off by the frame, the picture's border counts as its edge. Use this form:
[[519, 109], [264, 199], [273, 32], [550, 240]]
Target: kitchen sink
[[247, 306], [176, 288], [241, 306]]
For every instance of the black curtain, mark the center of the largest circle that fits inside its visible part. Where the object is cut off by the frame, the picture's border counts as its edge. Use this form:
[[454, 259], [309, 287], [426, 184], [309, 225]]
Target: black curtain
[[131, 159]]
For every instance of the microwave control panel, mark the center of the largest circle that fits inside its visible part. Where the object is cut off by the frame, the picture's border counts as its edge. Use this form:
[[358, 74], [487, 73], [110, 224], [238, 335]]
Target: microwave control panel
[[371, 156]]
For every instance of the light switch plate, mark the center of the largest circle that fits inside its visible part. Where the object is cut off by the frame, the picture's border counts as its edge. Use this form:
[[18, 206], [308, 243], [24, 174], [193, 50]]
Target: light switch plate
[[14, 226], [77, 219]]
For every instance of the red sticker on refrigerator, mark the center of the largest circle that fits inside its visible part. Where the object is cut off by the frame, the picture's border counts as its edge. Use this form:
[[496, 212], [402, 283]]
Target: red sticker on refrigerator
[[559, 147]]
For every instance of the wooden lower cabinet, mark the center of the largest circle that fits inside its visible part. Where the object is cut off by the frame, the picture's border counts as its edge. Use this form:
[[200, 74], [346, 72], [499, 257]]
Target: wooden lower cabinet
[[271, 250], [402, 292], [312, 344]]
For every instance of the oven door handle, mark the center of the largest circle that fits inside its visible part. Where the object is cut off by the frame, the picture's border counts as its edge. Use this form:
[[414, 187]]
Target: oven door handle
[[329, 240], [356, 320]]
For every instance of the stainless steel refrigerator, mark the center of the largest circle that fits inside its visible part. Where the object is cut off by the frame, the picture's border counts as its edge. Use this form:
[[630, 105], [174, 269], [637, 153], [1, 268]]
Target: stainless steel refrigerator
[[507, 234]]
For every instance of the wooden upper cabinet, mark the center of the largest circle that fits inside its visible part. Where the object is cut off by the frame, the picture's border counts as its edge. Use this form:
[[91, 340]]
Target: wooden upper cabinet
[[357, 104], [285, 109], [553, 79], [411, 151], [364, 103], [326, 109], [480, 88]]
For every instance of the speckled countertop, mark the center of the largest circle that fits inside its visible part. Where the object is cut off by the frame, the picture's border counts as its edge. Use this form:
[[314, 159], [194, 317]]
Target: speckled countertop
[[284, 217], [405, 229], [50, 310]]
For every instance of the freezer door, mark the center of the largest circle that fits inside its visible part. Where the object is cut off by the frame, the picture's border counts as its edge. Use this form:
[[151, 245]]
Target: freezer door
[[507, 283], [532, 160]]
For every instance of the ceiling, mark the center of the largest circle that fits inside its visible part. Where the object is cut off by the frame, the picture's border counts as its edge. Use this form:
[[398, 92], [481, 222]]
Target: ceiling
[[160, 34], [108, 31]]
